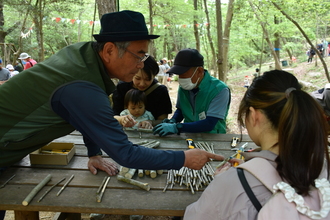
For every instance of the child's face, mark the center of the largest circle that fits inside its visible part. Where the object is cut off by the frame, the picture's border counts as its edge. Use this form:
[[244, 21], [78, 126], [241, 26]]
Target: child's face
[[136, 110]]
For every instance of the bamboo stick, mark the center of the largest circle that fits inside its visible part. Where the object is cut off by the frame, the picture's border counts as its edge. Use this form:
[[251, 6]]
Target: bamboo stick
[[100, 187], [63, 187], [99, 196], [144, 130], [130, 173], [144, 186], [147, 172], [36, 189], [52, 187], [153, 174], [5, 183], [160, 172], [152, 144], [141, 142], [140, 172], [124, 169]]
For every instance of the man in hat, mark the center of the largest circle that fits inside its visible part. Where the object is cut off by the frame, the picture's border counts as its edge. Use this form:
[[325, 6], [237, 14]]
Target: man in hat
[[203, 101], [72, 93], [4, 74], [29, 62]]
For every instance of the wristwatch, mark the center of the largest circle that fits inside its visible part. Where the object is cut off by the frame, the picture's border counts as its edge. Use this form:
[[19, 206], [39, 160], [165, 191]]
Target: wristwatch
[[179, 127]]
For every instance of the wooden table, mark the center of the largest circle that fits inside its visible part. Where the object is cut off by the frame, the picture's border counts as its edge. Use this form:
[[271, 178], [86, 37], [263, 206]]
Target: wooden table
[[119, 198]]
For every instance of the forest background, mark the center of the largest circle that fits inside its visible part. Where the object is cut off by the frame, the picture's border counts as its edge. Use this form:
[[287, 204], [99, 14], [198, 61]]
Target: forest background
[[230, 34]]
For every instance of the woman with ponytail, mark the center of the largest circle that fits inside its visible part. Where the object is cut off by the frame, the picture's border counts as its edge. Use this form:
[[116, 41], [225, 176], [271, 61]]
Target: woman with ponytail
[[291, 130]]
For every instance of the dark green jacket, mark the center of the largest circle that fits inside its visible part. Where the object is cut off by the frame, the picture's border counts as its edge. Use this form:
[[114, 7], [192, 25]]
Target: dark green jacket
[[27, 120]]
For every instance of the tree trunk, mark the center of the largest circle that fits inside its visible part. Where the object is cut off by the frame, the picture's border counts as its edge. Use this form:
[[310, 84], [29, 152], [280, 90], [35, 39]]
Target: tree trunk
[[2, 23], [277, 39], [196, 32], [226, 36], [209, 36], [287, 50], [277, 62], [106, 6], [221, 74], [37, 19], [152, 48], [306, 37]]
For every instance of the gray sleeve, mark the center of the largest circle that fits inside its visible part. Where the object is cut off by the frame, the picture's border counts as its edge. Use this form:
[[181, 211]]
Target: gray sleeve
[[218, 106]]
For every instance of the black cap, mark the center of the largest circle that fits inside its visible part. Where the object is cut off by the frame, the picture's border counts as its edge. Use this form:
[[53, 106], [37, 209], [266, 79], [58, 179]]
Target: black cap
[[123, 26], [186, 59]]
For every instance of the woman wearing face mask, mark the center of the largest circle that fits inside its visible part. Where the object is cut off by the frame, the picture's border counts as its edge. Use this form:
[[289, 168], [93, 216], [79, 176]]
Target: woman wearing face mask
[[203, 101], [158, 99]]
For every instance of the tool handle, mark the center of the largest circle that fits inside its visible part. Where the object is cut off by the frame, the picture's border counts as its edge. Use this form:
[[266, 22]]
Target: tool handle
[[238, 156], [190, 143]]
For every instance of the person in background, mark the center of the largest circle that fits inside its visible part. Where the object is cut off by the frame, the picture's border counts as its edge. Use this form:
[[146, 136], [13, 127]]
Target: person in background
[[310, 54], [256, 74], [162, 72], [4, 74], [135, 102], [203, 101], [18, 66], [246, 82], [29, 62], [289, 126], [158, 99], [165, 63], [12, 70]]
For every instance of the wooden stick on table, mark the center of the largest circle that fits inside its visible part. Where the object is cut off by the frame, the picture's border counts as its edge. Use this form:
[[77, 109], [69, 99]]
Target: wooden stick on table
[[100, 188], [5, 183], [36, 189], [50, 189], [144, 186], [99, 196], [63, 187]]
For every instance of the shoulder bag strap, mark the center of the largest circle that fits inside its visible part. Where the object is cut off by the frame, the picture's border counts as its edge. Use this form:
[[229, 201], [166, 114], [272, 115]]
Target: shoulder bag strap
[[248, 189], [152, 88]]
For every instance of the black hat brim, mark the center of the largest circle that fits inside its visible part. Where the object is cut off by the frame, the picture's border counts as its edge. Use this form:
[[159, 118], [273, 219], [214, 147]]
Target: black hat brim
[[178, 70], [114, 38]]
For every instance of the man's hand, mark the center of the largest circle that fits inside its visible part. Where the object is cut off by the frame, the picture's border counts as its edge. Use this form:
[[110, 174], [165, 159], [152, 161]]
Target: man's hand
[[197, 158], [98, 162], [164, 129], [145, 125]]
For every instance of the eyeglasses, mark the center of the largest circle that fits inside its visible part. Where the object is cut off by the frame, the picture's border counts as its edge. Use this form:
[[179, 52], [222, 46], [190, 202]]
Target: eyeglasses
[[141, 59]]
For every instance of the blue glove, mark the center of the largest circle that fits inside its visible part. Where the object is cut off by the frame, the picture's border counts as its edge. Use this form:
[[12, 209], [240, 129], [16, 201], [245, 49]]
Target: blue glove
[[171, 121], [164, 129]]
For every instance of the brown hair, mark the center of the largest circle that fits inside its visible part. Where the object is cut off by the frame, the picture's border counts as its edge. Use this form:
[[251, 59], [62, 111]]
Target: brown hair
[[301, 126], [134, 96]]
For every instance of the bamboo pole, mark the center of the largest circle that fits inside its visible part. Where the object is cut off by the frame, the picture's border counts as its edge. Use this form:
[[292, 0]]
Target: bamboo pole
[[142, 185], [36, 189]]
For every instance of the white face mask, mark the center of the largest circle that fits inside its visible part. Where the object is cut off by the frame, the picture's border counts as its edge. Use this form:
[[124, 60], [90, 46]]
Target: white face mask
[[186, 83]]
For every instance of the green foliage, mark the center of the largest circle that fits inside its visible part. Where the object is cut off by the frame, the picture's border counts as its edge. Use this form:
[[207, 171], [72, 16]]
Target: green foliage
[[173, 20]]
